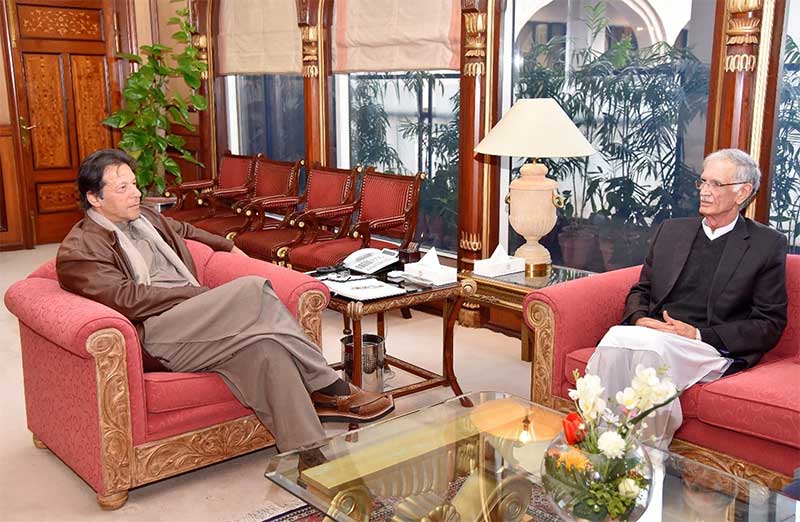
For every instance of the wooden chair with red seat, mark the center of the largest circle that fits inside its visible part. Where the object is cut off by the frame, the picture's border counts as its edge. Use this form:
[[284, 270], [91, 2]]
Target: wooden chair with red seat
[[276, 182], [198, 200], [387, 206], [328, 205]]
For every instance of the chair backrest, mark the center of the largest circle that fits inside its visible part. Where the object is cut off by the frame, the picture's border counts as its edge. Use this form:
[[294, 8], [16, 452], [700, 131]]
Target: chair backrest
[[327, 186], [236, 170], [276, 178], [789, 343], [391, 195]]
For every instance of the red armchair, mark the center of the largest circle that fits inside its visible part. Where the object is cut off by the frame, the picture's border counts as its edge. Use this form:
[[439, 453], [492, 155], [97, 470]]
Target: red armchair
[[234, 181], [89, 401], [276, 184], [328, 205], [747, 423], [387, 206]]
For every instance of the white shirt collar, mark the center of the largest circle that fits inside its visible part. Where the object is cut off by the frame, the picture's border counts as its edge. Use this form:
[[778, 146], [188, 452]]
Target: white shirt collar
[[721, 231]]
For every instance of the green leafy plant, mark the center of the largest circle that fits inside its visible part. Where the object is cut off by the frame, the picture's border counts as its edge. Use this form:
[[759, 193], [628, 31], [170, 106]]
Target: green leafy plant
[[150, 110], [785, 182], [634, 105]]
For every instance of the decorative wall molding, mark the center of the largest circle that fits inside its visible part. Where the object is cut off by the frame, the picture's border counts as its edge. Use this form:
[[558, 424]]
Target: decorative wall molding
[[475, 44], [740, 63], [310, 35], [470, 241], [72, 24]]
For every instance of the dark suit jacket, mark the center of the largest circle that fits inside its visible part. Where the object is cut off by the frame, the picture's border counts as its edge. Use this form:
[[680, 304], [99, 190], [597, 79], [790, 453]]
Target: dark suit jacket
[[746, 310]]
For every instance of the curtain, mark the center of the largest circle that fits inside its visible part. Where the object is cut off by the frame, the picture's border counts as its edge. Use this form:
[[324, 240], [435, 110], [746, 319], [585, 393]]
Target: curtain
[[396, 35], [259, 37]]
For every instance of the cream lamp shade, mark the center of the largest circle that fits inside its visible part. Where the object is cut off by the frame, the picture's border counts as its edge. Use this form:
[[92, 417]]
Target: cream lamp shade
[[534, 128]]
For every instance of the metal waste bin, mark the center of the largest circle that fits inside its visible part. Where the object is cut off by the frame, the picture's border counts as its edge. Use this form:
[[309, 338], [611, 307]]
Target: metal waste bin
[[373, 351]]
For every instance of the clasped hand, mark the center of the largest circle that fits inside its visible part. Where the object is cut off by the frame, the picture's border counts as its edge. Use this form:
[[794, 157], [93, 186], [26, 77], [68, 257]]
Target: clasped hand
[[669, 325]]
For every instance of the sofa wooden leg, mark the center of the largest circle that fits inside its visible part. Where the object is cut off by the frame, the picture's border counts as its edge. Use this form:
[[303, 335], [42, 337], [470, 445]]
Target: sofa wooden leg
[[38, 443], [112, 501]]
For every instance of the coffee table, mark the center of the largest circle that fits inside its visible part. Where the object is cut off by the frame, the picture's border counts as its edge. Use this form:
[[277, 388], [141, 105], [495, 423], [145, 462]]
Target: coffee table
[[478, 457], [451, 295], [507, 292]]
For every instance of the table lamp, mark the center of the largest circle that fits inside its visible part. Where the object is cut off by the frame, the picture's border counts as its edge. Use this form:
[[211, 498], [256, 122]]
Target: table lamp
[[534, 128]]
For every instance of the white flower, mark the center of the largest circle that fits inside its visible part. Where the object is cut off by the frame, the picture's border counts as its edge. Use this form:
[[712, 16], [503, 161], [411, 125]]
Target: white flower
[[611, 444], [628, 488], [589, 393], [628, 398]]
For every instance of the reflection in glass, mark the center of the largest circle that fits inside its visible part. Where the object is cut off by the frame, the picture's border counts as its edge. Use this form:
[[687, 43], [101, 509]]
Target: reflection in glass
[[784, 212], [271, 116], [636, 84], [407, 122]]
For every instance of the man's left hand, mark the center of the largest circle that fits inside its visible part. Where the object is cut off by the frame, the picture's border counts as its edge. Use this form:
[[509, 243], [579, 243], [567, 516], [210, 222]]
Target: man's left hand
[[237, 250], [680, 328]]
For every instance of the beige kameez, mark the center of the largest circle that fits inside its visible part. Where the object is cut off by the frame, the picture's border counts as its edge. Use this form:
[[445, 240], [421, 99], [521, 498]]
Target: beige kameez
[[243, 332]]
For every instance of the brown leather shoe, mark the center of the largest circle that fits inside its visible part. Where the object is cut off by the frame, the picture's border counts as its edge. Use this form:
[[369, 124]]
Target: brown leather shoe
[[359, 406]]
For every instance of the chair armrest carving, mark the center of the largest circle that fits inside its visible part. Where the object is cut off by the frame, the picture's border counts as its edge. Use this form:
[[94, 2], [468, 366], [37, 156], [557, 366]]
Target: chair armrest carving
[[571, 316]]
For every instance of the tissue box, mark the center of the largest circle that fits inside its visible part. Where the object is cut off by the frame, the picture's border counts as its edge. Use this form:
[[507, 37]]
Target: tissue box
[[497, 267], [437, 274]]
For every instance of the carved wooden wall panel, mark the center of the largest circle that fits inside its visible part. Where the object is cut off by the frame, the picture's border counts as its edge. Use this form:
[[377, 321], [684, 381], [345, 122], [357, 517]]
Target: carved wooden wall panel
[[64, 24], [11, 233], [44, 88], [90, 93], [67, 80], [56, 197]]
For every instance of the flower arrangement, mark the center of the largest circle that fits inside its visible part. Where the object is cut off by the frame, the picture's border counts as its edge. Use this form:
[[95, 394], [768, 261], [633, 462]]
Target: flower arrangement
[[595, 469]]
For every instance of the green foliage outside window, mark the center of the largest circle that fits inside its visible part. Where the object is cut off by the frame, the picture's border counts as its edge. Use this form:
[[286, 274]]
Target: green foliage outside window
[[369, 145], [634, 106], [785, 181]]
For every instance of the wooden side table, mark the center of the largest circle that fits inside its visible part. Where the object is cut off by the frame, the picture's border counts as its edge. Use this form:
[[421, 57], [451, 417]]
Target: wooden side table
[[508, 292]]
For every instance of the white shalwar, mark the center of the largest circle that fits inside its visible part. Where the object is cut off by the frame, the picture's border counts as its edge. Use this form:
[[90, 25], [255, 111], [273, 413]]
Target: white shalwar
[[688, 361]]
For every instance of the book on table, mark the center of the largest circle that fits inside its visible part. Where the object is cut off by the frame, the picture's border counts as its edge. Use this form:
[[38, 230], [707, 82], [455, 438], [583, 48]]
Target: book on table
[[364, 289]]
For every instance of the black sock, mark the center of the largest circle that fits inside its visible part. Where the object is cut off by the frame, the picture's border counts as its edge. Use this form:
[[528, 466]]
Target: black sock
[[338, 388]]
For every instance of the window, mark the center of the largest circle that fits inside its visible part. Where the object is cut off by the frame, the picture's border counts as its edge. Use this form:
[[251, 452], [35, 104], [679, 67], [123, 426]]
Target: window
[[784, 211], [636, 84], [406, 122], [270, 116]]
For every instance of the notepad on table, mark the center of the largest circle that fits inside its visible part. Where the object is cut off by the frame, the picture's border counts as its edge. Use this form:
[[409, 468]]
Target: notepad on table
[[364, 289]]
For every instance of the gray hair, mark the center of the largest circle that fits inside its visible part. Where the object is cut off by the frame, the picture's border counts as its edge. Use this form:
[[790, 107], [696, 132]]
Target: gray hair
[[746, 168]]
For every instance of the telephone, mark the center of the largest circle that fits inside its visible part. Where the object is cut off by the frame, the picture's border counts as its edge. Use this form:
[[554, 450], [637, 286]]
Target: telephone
[[370, 260]]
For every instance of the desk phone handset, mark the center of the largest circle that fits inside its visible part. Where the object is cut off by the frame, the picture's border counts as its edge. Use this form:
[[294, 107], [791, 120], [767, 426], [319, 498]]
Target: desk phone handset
[[370, 260]]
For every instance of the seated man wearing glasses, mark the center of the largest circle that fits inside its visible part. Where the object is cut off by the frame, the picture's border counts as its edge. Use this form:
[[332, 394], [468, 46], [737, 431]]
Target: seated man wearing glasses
[[132, 259], [711, 297]]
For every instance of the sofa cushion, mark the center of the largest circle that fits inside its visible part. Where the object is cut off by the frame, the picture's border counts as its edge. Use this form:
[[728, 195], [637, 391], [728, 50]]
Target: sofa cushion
[[577, 360], [763, 401], [179, 391]]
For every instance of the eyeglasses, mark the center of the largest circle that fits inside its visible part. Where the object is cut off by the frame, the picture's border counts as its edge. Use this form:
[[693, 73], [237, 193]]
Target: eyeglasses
[[714, 184]]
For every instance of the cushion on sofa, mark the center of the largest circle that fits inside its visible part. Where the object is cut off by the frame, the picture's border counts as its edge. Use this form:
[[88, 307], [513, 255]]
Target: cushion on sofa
[[168, 391], [763, 401]]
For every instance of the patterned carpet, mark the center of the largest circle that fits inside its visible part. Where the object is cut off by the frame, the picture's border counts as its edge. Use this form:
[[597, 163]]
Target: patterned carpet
[[539, 510]]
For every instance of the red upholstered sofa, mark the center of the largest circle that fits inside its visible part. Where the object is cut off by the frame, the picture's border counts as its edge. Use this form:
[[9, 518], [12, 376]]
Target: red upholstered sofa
[[88, 400], [747, 423]]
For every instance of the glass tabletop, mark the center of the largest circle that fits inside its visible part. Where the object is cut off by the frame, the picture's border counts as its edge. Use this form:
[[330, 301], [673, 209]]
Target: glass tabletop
[[478, 457], [559, 274]]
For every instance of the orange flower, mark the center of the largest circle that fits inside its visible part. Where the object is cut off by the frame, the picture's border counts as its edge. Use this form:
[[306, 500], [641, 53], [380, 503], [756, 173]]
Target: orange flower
[[574, 430], [573, 460]]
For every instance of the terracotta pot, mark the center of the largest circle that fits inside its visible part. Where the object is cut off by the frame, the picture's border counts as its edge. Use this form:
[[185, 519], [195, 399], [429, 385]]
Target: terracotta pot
[[577, 244]]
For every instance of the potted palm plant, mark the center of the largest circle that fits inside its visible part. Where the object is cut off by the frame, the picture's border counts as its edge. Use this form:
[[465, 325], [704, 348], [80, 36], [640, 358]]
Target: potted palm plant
[[150, 110]]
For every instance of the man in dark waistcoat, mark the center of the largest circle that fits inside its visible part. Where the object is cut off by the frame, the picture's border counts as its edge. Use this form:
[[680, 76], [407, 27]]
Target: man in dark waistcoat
[[711, 297]]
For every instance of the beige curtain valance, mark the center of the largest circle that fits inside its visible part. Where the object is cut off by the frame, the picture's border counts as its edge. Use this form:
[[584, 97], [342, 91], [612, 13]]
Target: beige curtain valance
[[259, 37], [396, 35]]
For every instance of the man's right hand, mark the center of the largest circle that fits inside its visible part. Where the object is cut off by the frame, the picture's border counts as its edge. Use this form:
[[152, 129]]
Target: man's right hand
[[655, 324]]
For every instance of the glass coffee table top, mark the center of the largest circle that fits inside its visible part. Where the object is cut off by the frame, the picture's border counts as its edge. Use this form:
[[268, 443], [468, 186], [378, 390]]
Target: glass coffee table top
[[478, 457]]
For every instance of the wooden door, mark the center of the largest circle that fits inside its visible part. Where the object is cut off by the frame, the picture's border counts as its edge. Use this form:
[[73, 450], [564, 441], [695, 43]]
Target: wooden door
[[64, 69]]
